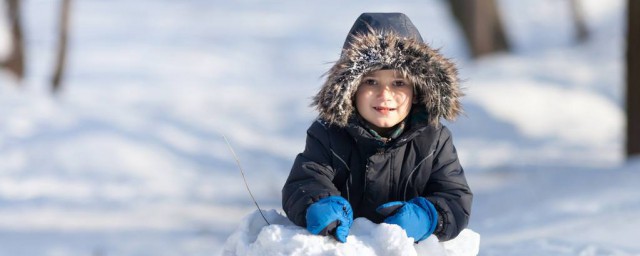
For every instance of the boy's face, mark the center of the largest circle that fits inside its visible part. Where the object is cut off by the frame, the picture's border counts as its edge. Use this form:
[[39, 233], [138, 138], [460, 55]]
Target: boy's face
[[384, 98]]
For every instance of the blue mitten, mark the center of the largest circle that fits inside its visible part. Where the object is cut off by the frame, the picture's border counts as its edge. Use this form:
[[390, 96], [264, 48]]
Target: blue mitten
[[330, 215], [418, 217]]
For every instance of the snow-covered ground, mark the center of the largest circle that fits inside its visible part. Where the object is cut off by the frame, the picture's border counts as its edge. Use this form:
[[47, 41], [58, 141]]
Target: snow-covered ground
[[281, 237], [130, 159]]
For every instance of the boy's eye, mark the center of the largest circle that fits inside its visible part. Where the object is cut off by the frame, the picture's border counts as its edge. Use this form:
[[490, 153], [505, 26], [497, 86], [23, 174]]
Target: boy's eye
[[370, 82], [399, 83]]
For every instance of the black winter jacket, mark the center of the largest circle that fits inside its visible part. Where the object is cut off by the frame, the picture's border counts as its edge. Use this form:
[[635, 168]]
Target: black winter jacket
[[350, 162]]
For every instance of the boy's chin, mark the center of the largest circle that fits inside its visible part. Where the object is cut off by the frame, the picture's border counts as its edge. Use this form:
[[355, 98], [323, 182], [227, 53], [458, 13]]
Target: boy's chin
[[383, 125]]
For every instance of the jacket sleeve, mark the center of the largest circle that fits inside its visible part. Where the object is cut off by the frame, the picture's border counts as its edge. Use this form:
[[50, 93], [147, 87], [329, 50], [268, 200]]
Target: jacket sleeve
[[311, 176], [448, 190]]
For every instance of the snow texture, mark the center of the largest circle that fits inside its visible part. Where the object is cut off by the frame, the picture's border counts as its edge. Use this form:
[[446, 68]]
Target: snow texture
[[282, 237], [129, 159]]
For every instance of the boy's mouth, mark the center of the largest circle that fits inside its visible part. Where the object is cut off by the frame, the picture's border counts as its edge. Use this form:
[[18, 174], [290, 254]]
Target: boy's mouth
[[384, 110]]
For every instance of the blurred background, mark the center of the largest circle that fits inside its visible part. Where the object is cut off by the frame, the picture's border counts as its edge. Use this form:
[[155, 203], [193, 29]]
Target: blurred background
[[112, 116]]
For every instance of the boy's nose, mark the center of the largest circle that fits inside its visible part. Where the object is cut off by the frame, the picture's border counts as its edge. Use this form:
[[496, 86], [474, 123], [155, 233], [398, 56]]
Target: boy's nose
[[385, 91]]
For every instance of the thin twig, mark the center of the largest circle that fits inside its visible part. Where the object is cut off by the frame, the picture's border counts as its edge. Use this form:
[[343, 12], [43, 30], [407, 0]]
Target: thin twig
[[244, 179]]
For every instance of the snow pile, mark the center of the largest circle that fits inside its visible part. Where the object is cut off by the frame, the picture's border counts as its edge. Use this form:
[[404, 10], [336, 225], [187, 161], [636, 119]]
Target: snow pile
[[282, 237]]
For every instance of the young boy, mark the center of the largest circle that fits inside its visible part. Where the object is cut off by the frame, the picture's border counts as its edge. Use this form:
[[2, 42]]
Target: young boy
[[378, 149]]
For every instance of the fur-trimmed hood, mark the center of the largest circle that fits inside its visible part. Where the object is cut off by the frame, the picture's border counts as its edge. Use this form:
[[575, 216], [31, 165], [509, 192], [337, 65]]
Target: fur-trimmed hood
[[389, 41]]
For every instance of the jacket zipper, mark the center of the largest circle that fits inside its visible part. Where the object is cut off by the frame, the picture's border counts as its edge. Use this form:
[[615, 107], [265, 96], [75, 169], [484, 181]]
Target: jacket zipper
[[348, 170], [406, 184]]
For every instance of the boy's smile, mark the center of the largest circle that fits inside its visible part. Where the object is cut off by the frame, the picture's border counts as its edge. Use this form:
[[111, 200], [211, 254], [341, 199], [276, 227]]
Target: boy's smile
[[384, 98], [384, 110]]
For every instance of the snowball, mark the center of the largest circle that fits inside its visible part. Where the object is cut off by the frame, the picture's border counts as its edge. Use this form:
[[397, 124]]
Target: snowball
[[282, 237]]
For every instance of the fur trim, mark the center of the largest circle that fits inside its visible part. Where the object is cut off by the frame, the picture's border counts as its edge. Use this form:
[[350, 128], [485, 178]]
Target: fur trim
[[435, 77]]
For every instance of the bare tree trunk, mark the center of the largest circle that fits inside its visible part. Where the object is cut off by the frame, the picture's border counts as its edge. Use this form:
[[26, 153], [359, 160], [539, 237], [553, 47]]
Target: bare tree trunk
[[633, 78], [578, 20], [15, 62], [62, 45], [480, 21]]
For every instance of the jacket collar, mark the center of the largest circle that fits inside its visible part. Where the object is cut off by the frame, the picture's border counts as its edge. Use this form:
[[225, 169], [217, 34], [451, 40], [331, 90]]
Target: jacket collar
[[369, 140]]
